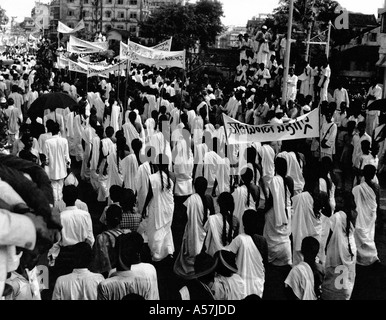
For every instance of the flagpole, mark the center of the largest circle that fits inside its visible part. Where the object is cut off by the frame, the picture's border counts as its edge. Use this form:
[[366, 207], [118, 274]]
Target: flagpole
[[128, 66]]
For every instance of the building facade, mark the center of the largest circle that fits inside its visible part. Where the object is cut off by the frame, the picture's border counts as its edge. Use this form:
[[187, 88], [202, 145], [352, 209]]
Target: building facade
[[102, 15], [41, 14]]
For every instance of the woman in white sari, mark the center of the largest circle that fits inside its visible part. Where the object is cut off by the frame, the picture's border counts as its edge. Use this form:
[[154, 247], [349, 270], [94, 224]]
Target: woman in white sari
[[194, 235], [246, 196], [341, 253], [277, 228], [366, 197], [219, 227], [160, 214]]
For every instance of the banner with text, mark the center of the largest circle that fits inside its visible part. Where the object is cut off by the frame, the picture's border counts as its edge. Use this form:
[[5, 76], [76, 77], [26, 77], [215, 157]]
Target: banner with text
[[77, 67], [306, 126], [158, 58], [164, 46], [94, 70]]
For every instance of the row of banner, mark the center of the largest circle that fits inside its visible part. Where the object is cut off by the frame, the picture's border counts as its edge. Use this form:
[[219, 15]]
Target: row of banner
[[158, 56]]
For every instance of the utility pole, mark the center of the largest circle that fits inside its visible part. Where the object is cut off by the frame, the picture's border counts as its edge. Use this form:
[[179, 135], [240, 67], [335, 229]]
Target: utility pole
[[287, 51], [328, 39]]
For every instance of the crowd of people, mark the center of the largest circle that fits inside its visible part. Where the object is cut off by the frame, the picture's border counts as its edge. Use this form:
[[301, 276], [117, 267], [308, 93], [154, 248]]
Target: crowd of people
[[156, 151]]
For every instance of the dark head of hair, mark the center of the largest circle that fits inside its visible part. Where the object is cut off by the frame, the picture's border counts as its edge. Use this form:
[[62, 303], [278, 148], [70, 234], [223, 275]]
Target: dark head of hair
[[99, 130], [113, 216], [128, 249], [200, 186], [115, 193], [132, 116], [10, 101], [163, 166], [369, 172], [163, 118], [83, 255], [227, 206], [226, 263], [55, 128], [281, 166], [310, 248], [136, 145], [133, 296], [70, 195], [252, 222], [128, 199], [154, 114], [109, 131], [365, 146]]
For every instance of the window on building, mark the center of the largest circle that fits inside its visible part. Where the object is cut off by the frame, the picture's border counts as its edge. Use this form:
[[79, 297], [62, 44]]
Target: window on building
[[70, 1], [121, 15], [85, 1], [120, 1], [133, 15], [70, 13], [133, 2], [120, 26], [133, 29], [108, 14], [373, 37], [109, 1]]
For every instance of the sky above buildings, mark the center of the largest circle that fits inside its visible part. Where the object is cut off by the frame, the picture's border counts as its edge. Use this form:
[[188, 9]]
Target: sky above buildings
[[237, 12]]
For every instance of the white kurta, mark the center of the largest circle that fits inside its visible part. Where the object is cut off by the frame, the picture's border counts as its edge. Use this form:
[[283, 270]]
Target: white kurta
[[366, 203]]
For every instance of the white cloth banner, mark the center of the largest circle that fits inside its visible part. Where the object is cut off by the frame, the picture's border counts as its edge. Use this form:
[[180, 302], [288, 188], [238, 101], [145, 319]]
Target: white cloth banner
[[164, 46], [306, 126], [77, 67], [104, 71], [63, 63], [102, 46], [158, 58], [62, 28]]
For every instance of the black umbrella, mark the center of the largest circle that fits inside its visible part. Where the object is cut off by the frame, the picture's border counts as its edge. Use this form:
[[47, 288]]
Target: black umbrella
[[58, 100], [378, 105]]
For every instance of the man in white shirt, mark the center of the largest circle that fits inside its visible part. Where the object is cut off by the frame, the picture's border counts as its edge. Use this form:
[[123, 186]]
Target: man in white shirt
[[341, 95], [324, 82], [292, 83], [77, 227], [262, 75], [357, 139], [81, 284], [131, 276], [372, 117], [58, 159]]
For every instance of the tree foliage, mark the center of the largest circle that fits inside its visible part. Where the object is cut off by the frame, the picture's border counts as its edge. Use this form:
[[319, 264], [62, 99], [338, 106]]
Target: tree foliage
[[188, 24], [3, 17]]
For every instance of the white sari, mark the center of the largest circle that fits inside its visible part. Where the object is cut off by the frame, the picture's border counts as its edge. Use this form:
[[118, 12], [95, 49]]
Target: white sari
[[304, 224], [340, 270], [161, 208], [249, 263], [277, 228], [366, 203], [193, 239]]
